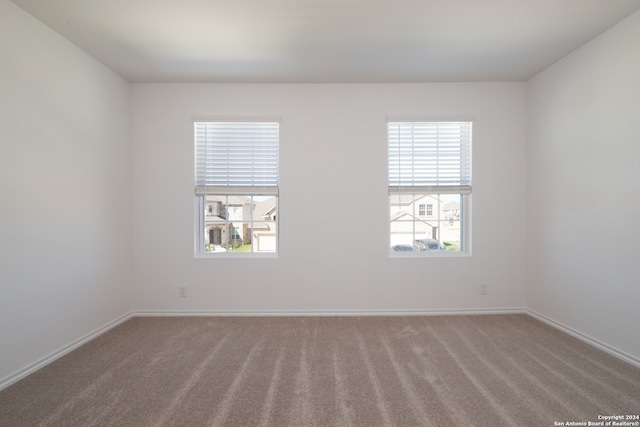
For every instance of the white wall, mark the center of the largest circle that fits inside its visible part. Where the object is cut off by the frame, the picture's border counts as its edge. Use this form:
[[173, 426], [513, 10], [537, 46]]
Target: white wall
[[65, 198], [583, 162], [333, 176]]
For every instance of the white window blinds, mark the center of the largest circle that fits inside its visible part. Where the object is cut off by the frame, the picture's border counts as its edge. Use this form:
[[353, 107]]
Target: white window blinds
[[429, 157], [236, 157]]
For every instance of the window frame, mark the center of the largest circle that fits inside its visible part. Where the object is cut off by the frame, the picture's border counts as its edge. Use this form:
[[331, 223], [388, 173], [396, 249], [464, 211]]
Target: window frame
[[465, 194], [202, 192]]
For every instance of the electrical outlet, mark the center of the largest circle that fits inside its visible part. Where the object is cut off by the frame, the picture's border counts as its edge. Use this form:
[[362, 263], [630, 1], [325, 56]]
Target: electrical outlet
[[182, 291], [484, 288]]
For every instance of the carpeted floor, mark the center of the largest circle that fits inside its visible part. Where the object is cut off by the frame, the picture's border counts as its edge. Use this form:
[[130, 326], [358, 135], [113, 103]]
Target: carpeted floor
[[489, 370]]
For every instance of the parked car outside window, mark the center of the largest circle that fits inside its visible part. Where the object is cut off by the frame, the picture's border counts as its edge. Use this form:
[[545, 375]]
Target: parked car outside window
[[402, 248], [428, 245]]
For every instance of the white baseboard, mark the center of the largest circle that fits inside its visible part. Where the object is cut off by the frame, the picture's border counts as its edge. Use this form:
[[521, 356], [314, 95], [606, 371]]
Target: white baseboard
[[586, 338], [17, 376], [324, 313]]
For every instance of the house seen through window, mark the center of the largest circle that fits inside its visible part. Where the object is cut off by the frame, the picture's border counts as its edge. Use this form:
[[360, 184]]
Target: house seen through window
[[429, 187], [236, 187]]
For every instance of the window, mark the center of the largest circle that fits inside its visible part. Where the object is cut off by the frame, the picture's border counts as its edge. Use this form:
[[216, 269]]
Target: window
[[429, 187], [429, 209], [425, 210], [236, 187]]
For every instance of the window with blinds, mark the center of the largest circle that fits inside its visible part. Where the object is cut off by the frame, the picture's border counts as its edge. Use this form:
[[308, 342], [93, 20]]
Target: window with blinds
[[236, 185], [429, 165]]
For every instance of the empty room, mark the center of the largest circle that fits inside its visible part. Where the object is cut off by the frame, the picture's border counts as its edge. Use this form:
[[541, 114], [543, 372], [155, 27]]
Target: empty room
[[319, 213]]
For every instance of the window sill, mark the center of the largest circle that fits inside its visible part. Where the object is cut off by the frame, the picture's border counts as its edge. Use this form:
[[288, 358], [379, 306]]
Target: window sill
[[241, 255], [427, 254]]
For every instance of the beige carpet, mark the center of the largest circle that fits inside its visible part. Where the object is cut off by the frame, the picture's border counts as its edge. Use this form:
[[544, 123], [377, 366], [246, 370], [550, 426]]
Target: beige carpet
[[489, 370]]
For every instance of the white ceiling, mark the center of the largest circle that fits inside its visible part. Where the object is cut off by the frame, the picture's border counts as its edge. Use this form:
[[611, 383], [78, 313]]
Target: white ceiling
[[337, 41]]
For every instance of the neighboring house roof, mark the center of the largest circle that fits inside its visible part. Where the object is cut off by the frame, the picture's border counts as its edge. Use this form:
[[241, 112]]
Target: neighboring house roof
[[261, 211], [270, 212], [264, 209], [402, 214], [452, 206]]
